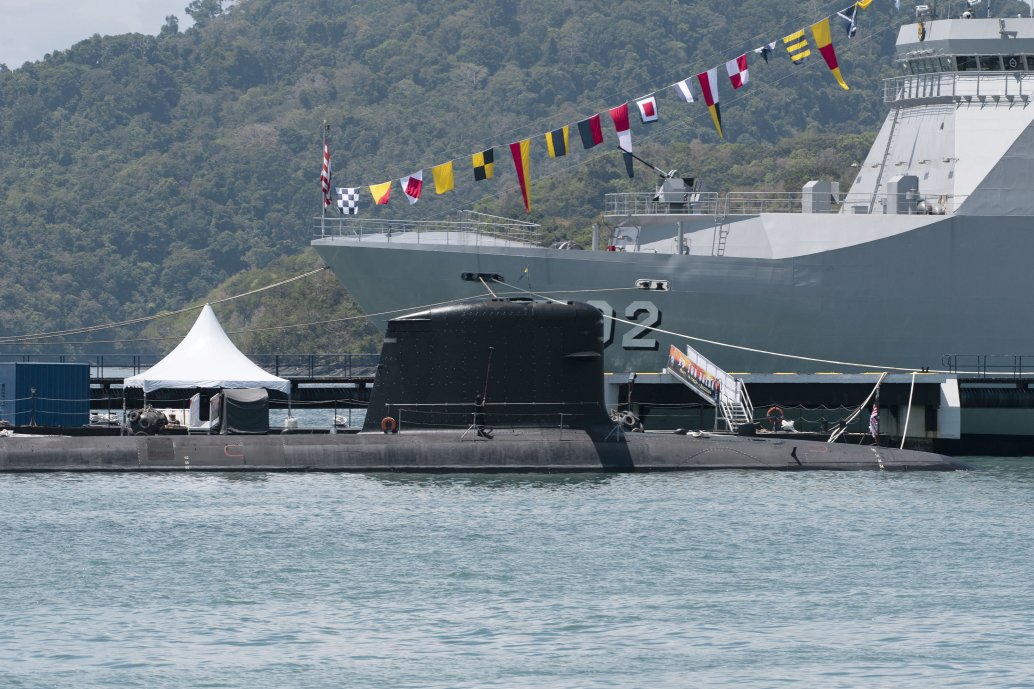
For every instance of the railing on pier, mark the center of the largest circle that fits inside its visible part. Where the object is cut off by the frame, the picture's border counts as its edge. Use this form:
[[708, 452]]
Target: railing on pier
[[474, 229], [312, 366]]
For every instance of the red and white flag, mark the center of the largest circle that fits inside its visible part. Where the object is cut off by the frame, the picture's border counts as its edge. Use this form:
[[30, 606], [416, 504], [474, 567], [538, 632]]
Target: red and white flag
[[737, 69], [647, 109], [325, 174], [619, 116], [412, 186]]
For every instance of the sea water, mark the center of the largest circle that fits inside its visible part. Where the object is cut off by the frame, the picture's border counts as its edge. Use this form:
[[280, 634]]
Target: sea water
[[735, 578]]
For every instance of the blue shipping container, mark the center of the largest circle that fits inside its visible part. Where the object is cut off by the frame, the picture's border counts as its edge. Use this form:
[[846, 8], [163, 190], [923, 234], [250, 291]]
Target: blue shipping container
[[61, 397]]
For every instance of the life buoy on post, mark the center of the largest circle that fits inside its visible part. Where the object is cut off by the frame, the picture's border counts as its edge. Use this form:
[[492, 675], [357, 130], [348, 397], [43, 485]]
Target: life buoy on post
[[776, 416], [388, 424]]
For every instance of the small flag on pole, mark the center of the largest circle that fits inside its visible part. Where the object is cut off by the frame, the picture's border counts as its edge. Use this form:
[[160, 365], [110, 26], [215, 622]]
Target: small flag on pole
[[348, 200], [521, 152], [874, 421], [443, 178], [647, 109], [556, 142], [823, 41], [412, 186], [381, 193], [765, 50], [619, 116], [484, 164], [685, 90], [709, 89], [797, 47], [590, 131], [737, 71]]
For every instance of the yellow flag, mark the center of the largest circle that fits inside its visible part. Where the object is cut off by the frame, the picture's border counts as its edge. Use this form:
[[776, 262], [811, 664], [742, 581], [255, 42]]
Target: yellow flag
[[443, 180], [863, 3]]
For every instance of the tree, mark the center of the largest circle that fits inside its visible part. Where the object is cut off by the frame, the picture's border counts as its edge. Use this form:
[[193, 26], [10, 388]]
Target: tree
[[201, 11], [171, 27]]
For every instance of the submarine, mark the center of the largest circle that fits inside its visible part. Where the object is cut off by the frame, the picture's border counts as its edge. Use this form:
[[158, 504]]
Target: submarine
[[493, 385]]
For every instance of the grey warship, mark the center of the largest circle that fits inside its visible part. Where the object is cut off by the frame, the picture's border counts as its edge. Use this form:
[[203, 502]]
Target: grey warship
[[925, 256]]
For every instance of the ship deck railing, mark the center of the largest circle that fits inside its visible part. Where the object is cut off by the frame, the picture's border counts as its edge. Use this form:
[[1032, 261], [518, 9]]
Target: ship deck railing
[[475, 229], [735, 203], [960, 87], [990, 366]]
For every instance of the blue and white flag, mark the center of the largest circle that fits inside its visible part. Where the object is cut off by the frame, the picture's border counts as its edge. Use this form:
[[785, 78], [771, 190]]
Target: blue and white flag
[[847, 16]]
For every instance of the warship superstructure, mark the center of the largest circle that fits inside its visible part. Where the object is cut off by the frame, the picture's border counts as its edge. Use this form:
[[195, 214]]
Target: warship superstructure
[[924, 259]]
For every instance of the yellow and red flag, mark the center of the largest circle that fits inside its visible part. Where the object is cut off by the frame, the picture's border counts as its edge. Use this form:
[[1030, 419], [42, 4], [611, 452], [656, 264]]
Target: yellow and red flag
[[381, 192], [820, 32], [521, 152]]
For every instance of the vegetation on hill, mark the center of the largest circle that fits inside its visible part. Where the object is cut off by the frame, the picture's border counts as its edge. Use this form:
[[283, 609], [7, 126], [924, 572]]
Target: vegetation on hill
[[146, 173]]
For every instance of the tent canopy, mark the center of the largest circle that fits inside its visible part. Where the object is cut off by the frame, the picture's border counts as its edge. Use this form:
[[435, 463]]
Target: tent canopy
[[206, 358]]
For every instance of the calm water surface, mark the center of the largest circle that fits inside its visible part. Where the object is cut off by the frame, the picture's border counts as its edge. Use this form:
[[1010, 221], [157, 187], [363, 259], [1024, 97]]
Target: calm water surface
[[680, 580]]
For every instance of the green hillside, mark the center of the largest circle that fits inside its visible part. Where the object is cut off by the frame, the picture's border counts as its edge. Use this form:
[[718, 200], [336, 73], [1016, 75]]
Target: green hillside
[[141, 174]]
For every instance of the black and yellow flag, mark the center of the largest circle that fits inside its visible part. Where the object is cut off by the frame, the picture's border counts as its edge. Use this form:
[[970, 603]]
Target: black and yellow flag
[[797, 46], [484, 164], [556, 142]]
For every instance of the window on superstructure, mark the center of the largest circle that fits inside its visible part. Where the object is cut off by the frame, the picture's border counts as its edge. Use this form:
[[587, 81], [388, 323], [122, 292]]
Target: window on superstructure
[[965, 63], [990, 63], [947, 64], [1013, 62]]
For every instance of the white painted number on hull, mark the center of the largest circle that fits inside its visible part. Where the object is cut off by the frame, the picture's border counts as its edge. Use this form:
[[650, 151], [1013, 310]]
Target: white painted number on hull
[[636, 337]]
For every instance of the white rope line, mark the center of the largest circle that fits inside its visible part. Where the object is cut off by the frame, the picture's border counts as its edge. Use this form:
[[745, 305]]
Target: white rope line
[[21, 339], [753, 350]]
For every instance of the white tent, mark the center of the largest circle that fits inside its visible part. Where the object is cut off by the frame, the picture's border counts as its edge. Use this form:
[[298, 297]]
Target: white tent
[[206, 358]]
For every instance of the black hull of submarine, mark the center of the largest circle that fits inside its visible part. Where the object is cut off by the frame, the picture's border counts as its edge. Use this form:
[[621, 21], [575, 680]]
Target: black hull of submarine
[[539, 367], [517, 451]]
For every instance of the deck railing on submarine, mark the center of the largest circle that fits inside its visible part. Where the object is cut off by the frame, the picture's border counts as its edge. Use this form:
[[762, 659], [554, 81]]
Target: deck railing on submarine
[[501, 415]]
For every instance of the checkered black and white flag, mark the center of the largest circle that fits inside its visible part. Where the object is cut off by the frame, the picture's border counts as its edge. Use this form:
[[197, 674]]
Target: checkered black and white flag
[[348, 200]]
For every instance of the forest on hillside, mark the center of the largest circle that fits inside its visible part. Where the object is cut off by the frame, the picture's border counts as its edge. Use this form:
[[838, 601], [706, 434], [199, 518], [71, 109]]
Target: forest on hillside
[[141, 174]]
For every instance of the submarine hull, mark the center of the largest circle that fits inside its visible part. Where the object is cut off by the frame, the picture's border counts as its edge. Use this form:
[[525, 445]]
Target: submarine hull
[[517, 451]]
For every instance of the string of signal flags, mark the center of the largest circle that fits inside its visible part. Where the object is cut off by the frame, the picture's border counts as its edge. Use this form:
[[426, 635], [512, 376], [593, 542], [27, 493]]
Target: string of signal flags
[[702, 87]]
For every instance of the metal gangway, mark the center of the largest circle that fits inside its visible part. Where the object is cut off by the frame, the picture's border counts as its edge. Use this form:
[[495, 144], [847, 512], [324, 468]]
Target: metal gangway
[[726, 394]]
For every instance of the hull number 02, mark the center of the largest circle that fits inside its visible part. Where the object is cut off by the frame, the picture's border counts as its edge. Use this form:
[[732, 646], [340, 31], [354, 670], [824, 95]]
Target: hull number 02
[[644, 314]]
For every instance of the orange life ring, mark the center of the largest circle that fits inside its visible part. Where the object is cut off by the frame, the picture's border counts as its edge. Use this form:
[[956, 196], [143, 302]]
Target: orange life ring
[[388, 424], [775, 413]]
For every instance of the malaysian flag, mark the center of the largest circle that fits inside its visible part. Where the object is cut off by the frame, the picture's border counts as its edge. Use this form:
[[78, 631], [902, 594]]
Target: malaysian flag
[[874, 421], [325, 173]]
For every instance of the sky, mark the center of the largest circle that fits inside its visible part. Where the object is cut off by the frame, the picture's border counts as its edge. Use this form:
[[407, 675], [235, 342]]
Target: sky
[[29, 29]]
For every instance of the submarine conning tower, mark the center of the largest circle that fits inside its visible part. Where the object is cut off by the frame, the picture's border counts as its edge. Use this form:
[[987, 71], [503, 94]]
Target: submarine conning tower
[[537, 364]]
